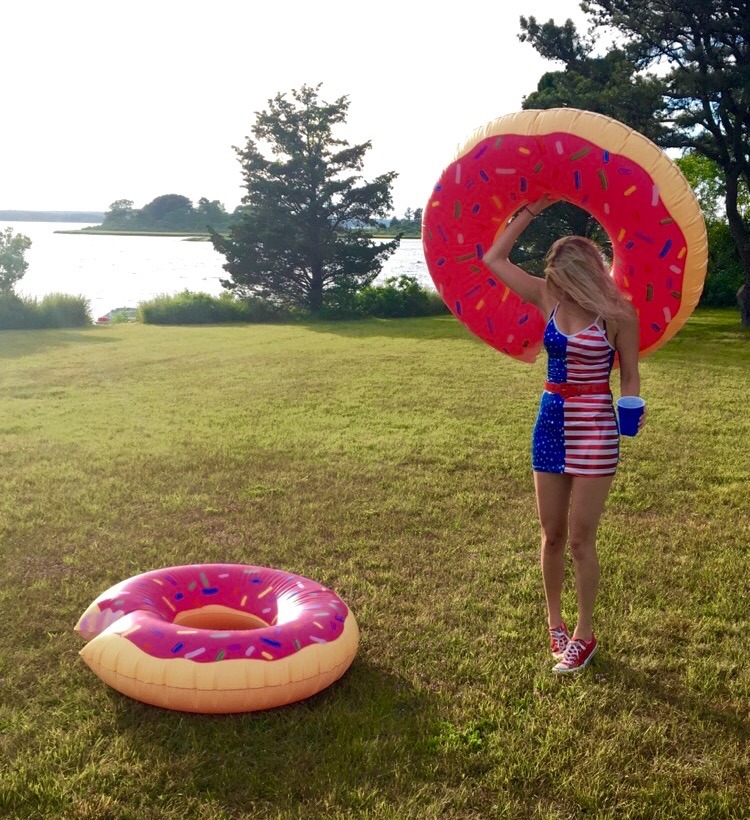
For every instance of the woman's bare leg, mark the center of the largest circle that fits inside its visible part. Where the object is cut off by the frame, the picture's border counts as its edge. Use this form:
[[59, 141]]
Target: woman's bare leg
[[587, 500], [552, 500]]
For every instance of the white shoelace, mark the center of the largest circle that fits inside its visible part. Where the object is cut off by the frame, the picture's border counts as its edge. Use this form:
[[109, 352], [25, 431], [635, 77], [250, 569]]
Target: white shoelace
[[573, 650]]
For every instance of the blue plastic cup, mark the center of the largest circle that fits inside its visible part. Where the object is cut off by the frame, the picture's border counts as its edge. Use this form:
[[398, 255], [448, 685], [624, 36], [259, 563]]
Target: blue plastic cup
[[629, 410]]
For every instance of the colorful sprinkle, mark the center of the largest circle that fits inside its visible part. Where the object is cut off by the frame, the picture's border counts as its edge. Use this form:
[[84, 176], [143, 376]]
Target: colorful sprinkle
[[265, 592], [458, 173], [484, 175], [649, 292], [210, 591], [631, 190], [176, 648], [577, 179], [580, 154], [538, 167], [481, 151], [267, 655], [654, 196], [603, 178], [169, 604], [220, 654], [497, 202], [505, 171], [665, 250], [195, 653]]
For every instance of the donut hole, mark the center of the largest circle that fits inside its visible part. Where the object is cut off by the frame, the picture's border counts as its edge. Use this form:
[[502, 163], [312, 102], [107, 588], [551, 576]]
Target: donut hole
[[560, 219], [218, 619]]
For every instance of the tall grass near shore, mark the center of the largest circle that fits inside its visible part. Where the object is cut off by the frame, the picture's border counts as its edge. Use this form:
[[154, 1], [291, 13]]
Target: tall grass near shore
[[390, 461]]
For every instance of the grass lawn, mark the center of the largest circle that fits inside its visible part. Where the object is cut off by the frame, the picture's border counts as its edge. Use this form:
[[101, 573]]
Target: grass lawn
[[390, 461]]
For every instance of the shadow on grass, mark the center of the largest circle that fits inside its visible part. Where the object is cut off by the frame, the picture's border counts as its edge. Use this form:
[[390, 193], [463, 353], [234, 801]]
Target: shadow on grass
[[364, 735], [426, 327], [17, 343]]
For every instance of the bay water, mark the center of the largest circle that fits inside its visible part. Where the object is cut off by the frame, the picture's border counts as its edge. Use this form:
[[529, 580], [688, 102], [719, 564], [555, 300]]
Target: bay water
[[120, 271]]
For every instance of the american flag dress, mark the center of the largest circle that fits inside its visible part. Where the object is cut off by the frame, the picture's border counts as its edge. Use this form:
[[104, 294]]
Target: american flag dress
[[576, 435]]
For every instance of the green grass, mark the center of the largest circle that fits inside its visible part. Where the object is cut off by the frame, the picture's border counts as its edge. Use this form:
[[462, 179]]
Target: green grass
[[389, 460]]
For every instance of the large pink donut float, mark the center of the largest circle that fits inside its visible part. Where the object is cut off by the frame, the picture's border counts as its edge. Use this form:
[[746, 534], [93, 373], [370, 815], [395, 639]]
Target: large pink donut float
[[218, 638], [622, 179]]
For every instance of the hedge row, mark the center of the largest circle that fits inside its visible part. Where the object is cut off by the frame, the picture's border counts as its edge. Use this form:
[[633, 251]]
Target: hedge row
[[55, 310]]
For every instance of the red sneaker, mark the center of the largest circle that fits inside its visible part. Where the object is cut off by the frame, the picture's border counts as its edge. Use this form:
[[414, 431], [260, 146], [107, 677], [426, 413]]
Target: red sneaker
[[578, 655], [559, 638]]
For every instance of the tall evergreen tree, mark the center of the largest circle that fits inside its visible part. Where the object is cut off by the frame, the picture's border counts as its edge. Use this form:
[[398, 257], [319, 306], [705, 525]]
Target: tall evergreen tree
[[697, 99], [300, 239]]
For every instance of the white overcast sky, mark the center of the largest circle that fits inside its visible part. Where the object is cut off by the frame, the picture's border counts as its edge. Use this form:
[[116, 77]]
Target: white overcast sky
[[103, 101]]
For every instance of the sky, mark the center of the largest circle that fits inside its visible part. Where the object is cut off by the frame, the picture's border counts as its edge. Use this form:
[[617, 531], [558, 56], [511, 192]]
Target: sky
[[105, 101]]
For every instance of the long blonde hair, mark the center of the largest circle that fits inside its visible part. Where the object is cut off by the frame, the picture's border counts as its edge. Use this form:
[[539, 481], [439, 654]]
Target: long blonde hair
[[576, 266]]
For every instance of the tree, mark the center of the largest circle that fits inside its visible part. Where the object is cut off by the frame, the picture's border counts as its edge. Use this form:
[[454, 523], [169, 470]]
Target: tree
[[300, 240], [700, 51], [725, 275], [119, 214], [13, 263], [169, 212]]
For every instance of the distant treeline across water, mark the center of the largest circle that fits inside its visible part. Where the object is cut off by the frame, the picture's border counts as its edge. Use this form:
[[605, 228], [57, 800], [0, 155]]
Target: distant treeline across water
[[51, 216]]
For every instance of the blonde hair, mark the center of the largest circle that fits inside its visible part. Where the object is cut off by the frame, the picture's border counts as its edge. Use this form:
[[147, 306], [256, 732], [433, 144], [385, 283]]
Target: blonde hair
[[576, 266]]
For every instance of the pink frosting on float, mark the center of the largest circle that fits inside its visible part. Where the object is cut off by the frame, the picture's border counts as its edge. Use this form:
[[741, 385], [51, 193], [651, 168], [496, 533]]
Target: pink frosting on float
[[298, 612], [477, 193]]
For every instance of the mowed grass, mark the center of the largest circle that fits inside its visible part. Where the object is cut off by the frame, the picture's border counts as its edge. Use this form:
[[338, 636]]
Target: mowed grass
[[390, 461]]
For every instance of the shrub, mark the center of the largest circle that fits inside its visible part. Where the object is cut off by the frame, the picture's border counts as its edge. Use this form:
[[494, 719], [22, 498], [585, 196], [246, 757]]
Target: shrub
[[399, 297], [725, 274], [56, 310], [188, 308], [62, 310]]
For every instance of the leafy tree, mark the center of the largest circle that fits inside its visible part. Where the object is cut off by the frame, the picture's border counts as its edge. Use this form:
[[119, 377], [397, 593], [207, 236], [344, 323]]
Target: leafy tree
[[13, 264], [119, 214], [725, 275], [300, 239], [211, 214], [699, 51], [168, 212]]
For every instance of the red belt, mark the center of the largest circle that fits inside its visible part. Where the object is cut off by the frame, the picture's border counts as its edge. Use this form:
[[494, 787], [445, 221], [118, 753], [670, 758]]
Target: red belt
[[569, 390]]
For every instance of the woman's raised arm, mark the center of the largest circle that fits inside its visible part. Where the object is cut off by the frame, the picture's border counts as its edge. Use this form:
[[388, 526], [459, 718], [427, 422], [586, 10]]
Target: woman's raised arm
[[529, 288]]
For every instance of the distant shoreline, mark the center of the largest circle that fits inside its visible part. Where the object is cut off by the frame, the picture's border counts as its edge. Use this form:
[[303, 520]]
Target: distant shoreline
[[195, 236]]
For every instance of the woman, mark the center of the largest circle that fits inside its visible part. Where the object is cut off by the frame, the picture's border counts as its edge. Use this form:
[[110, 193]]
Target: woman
[[575, 444]]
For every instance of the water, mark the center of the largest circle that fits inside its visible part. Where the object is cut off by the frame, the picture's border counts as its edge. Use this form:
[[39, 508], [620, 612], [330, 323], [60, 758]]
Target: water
[[121, 271]]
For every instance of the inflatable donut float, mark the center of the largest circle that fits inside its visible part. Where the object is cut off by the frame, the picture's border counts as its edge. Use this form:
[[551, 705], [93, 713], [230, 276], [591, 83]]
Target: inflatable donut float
[[622, 179], [218, 638]]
